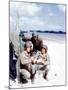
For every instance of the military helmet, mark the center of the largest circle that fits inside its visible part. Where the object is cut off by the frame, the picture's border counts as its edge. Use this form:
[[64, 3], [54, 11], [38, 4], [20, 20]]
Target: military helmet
[[28, 44]]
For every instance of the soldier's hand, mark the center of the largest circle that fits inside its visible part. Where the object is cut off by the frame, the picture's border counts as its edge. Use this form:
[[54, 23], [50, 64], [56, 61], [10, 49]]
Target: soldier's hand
[[32, 58], [31, 62]]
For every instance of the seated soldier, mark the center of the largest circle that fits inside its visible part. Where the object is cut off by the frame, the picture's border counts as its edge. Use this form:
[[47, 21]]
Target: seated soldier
[[43, 61]]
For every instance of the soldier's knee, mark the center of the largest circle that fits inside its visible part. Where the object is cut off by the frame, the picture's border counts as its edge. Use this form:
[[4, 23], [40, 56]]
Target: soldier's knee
[[25, 73]]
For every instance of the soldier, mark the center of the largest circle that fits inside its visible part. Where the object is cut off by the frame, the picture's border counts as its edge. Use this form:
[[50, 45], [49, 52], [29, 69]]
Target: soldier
[[43, 61], [25, 61], [37, 43]]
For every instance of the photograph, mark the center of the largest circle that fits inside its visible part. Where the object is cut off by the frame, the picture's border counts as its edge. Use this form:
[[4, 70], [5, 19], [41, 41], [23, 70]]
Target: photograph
[[37, 44]]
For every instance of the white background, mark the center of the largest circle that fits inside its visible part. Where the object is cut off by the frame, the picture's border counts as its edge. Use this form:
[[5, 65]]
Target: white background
[[4, 46]]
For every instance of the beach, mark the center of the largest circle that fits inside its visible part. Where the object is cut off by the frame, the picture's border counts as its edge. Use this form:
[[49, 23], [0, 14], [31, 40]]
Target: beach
[[56, 75]]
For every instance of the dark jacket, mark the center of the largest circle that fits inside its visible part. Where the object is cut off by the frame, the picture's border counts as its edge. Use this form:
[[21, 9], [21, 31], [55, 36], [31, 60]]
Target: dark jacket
[[37, 44]]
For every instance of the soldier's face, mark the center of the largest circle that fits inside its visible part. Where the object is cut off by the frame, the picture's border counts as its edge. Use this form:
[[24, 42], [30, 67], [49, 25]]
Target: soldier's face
[[28, 49], [43, 50]]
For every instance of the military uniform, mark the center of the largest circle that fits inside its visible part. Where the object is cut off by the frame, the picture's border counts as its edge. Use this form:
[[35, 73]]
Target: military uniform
[[37, 43], [43, 62], [25, 62]]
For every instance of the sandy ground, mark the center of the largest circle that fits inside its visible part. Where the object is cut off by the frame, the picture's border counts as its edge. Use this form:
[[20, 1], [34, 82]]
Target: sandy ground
[[56, 75]]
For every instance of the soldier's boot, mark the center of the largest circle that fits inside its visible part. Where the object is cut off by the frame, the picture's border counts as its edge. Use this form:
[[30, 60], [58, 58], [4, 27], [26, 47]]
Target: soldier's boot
[[45, 75], [23, 79], [32, 77]]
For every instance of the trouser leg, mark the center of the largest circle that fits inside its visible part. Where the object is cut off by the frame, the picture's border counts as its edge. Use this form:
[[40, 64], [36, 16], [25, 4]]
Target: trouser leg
[[46, 72], [24, 75], [44, 69], [33, 71]]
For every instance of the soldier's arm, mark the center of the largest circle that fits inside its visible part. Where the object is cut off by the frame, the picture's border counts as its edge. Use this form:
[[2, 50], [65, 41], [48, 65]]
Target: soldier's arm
[[23, 59]]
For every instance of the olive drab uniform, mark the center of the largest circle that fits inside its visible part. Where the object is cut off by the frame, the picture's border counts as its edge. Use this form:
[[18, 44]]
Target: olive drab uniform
[[24, 65], [37, 43], [24, 57], [44, 58]]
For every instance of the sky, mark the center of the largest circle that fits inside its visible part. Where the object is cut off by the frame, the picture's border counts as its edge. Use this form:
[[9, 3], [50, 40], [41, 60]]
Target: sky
[[37, 16]]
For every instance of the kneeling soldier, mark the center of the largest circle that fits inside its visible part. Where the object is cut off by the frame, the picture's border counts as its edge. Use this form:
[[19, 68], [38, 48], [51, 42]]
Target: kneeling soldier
[[43, 61], [25, 61]]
